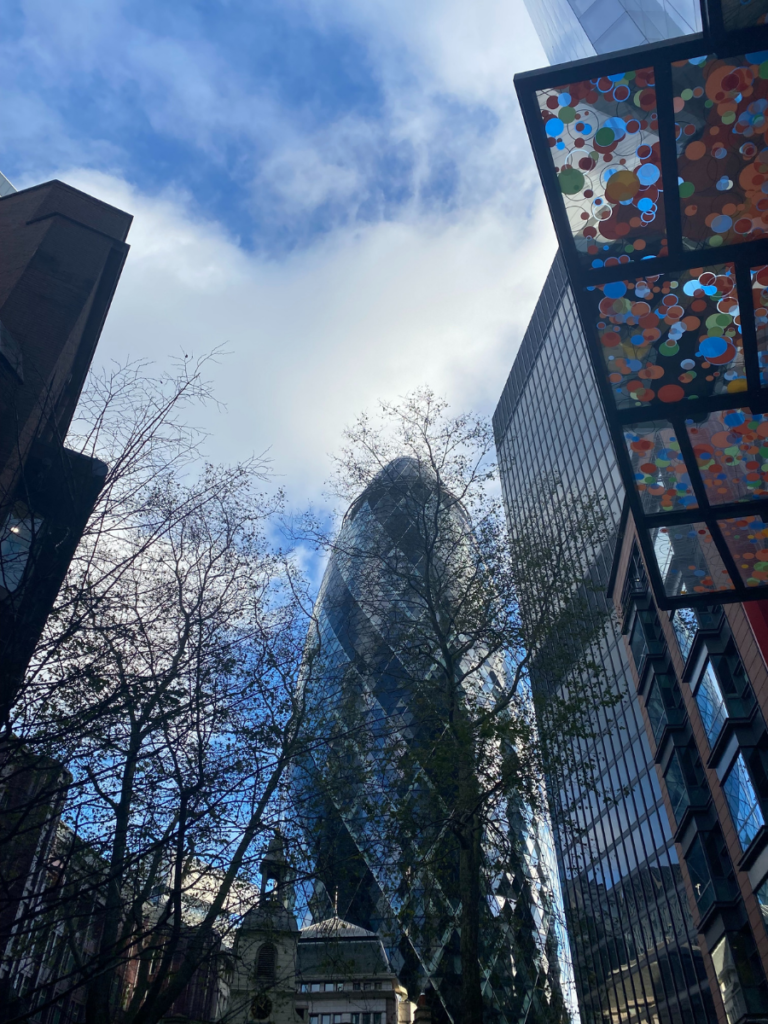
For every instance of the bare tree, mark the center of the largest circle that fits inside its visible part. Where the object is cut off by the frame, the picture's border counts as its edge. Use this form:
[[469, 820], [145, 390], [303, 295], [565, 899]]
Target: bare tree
[[165, 687], [440, 750]]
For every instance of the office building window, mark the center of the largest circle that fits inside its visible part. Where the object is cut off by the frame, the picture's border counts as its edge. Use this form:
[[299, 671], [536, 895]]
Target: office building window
[[16, 538], [686, 626], [710, 703], [742, 801], [676, 788], [330, 986], [762, 899], [654, 705]]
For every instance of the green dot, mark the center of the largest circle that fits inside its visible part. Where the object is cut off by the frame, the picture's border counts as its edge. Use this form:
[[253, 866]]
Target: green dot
[[604, 136], [686, 189], [728, 117], [763, 69], [571, 180], [629, 248], [566, 114], [723, 319], [716, 240], [709, 103], [686, 94]]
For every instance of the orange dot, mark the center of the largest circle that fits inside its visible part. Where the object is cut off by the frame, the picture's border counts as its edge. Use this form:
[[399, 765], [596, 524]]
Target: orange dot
[[695, 150], [671, 393]]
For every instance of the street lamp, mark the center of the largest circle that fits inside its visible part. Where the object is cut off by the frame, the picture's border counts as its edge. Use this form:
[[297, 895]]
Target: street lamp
[[654, 161]]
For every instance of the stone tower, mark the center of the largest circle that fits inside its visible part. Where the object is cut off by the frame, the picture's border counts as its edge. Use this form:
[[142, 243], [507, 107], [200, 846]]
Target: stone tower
[[263, 986]]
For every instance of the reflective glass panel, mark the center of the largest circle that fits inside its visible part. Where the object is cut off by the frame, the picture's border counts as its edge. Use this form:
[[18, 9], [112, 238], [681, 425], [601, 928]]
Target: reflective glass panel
[[742, 803], [747, 540], [762, 899], [722, 161], [676, 788], [731, 448], [654, 706], [604, 143], [17, 536], [709, 701], [686, 626], [688, 560], [669, 337], [661, 477], [760, 305], [744, 13]]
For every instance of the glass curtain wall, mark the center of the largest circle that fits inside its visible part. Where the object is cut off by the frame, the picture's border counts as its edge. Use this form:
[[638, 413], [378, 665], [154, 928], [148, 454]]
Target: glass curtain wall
[[635, 950]]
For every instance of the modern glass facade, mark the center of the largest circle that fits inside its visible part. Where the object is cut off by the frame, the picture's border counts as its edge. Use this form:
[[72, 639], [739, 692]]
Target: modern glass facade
[[635, 950], [572, 29], [367, 655]]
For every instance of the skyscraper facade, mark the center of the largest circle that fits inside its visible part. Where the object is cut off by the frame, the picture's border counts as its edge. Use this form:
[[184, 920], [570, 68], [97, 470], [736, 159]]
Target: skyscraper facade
[[571, 29], [368, 654], [635, 947]]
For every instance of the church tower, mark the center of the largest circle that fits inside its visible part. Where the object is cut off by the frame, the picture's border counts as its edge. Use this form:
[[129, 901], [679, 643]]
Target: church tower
[[263, 987]]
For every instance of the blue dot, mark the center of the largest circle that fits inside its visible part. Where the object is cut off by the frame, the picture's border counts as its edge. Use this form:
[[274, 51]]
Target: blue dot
[[615, 289], [648, 173], [713, 347], [597, 263], [555, 127]]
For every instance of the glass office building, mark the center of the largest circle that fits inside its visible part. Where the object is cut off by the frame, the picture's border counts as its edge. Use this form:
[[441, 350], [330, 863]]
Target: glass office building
[[572, 29], [635, 950], [369, 656]]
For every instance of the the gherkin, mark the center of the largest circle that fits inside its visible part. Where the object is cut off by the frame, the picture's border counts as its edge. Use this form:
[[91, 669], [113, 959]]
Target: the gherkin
[[376, 842]]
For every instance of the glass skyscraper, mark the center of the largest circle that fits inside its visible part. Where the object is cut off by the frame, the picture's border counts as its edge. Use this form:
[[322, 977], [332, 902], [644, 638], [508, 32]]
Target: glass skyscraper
[[636, 955], [572, 29], [368, 654]]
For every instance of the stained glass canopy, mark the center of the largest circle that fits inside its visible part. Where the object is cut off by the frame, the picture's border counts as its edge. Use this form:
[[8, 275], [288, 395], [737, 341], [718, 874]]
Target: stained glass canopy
[[655, 166]]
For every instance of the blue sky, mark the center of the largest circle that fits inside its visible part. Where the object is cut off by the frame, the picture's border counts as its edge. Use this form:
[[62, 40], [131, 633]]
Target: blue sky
[[340, 192]]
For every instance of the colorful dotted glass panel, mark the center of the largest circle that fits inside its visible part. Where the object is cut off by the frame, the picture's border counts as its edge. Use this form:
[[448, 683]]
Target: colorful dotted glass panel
[[731, 449], [661, 476], [604, 142], [722, 159], [760, 306], [744, 13], [673, 336], [689, 561], [747, 540]]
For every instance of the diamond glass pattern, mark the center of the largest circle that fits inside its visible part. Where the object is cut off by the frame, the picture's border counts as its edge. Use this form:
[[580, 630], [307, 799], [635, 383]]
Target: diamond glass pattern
[[747, 540], [731, 449], [363, 612], [661, 476], [604, 143], [667, 337], [722, 159], [689, 561]]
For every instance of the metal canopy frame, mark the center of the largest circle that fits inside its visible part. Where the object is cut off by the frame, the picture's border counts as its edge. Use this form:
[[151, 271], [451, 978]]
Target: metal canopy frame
[[714, 41]]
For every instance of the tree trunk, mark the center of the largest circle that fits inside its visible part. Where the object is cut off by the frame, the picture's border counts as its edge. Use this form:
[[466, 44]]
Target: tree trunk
[[471, 1005]]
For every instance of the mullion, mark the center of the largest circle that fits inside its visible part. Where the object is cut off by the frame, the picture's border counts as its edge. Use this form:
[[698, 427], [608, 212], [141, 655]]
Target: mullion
[[748, 332], [666, 121], [752, 399], [690, 460], [725, 552]]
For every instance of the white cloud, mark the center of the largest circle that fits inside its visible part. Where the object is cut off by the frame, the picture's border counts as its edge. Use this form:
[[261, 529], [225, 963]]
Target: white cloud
[[315, 338]]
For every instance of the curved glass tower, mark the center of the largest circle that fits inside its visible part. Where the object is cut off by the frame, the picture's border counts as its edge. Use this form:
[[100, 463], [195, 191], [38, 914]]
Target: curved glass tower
[[379, 847]]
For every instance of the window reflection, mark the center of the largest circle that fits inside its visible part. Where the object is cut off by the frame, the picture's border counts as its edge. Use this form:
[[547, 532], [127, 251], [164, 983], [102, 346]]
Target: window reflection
[[685, 625], [742, 803], [16, 538], [710, 703]]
